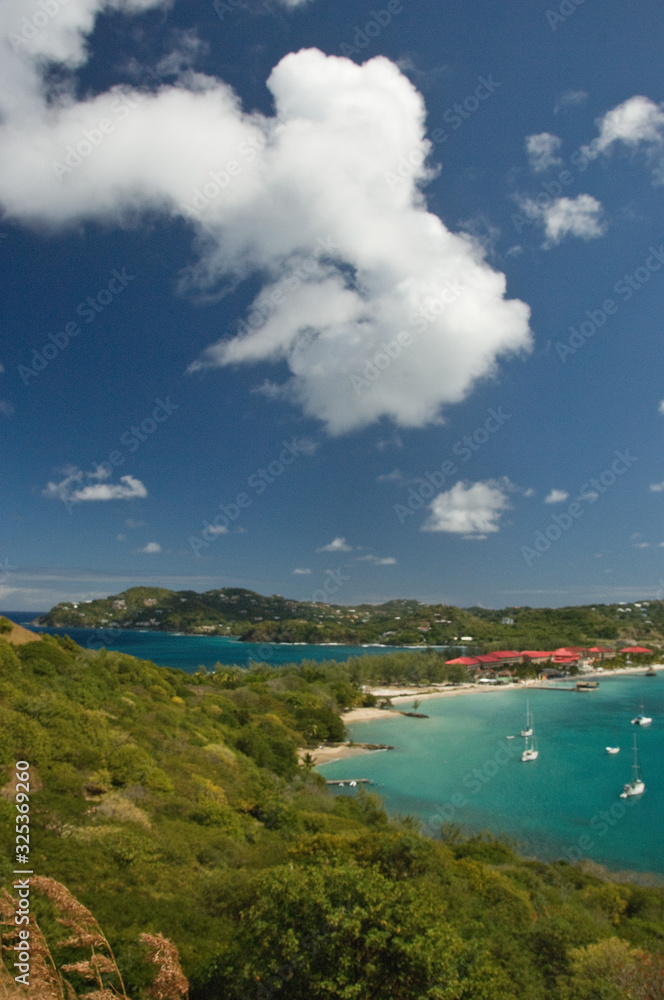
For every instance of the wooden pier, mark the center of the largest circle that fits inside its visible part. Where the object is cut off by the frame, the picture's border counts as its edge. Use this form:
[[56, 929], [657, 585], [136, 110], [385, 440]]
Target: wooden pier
[[349, 781]]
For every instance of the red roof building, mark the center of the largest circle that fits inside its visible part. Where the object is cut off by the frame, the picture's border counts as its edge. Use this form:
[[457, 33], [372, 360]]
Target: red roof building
[[635, 649], [465, 661], [537, 654], [489, 659]]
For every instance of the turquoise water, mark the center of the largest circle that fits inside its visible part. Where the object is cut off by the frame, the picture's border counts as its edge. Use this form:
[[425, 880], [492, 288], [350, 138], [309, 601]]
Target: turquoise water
[[189, 652], [457, 766]]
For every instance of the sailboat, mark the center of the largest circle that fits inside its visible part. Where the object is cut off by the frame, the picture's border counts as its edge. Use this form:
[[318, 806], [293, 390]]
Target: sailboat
[[641, 719], [636, 785], [531, 752], [528, 731]]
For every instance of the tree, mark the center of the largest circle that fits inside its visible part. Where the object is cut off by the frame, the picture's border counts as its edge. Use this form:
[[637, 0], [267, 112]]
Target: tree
[[344, 932]]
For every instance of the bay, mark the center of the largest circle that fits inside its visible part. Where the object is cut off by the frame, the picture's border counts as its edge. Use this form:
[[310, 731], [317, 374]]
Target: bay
[[457, 766], [189, 652]]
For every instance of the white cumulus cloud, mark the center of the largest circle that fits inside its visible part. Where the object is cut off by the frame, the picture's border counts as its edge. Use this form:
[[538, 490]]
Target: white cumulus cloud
[[635, 121], [470, 509], [348, 259], [556, 496], [581, 216], [336, 545], [377, 561], [150, 548], [542, 151], [656, 487], [302, 572], [71, 488]]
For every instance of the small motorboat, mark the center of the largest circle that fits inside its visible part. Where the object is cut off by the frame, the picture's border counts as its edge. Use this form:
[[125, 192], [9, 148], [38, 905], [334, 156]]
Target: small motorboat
[[613, 749], [641, 719]]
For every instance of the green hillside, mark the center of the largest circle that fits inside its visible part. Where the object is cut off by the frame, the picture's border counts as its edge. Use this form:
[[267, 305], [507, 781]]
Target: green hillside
[[255, 618], [175, 804]]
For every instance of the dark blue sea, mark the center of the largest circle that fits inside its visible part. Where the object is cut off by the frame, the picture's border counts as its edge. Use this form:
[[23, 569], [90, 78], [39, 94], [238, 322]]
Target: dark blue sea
[[189, 652]]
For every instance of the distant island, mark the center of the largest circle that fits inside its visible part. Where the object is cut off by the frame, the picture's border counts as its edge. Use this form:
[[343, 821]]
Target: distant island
[[252, 617]]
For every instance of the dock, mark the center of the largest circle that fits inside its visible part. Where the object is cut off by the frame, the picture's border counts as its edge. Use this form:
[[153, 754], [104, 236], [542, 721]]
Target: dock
[[347, 781], [579, 686]]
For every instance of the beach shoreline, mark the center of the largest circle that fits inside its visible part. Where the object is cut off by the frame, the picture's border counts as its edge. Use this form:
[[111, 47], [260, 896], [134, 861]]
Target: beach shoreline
[[398, 695]]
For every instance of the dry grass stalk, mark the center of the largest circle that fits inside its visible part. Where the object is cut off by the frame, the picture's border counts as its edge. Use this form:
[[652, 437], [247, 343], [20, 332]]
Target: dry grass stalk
[[87, 932], [170, 982], [45, 981]]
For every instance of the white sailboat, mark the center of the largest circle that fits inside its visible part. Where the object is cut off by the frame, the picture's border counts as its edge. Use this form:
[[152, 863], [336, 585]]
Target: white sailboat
[[636, 785], [613, 749], [531, 752], [641, 719], [528, 731]]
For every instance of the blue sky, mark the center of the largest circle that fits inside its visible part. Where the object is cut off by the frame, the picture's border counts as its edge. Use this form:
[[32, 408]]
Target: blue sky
[[307, 291]]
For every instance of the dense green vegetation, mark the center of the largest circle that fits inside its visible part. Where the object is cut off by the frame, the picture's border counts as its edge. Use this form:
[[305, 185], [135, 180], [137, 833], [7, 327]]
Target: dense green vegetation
[[254, 618], [175, 804]]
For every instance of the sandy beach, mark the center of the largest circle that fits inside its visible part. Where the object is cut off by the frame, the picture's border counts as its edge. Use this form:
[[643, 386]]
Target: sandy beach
[[402, 694], [337, 751]]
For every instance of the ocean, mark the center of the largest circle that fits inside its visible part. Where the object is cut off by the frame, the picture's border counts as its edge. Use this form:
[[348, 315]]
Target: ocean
[[458, 767], [189, 652]]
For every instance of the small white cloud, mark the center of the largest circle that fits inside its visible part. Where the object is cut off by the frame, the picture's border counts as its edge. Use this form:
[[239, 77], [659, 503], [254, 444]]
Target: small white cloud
[[637, 120], [542, 151], [581, 216], [570, 98], [656, 487], [302, 572], [216, 529], [376, 561], [556, 496], [660, 408], [336, 545], [121, 538], [471, 510], [6, 407], [395, 476], [530, 492], [71, 488], [131, 523], [150, 548], [641, 545], [589, 495]]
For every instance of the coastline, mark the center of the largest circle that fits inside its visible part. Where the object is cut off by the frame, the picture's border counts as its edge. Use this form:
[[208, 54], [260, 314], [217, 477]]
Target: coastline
[[402, 694]]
